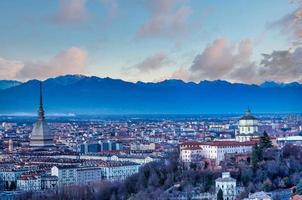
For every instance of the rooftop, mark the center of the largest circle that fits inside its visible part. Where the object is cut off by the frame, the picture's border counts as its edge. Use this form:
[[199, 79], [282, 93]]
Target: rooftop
[[248, 116]]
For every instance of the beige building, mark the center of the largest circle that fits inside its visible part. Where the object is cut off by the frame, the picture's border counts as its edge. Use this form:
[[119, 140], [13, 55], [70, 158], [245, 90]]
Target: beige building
[[215, 150]]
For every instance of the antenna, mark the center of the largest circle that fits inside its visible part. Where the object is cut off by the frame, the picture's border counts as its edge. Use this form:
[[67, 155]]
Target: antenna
[[41, 111], [41, 100]]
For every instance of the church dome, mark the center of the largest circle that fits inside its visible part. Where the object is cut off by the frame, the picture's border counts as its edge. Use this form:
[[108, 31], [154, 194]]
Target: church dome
[[248, 116]]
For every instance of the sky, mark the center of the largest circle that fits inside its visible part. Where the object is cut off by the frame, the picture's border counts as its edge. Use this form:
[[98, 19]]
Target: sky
[[152, 40]]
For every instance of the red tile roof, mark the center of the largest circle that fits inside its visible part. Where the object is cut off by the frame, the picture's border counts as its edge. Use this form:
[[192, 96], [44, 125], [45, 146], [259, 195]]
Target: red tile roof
[[219, 143], [192, 148]]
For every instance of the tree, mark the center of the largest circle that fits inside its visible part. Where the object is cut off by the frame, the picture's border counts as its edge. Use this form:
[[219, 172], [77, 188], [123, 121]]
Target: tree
[[265, 141], [267, 185], [6, 185], [193, 166], [246, 175], [153, 180], [220, 195], [257, 156], [299, 188], [13, 186]]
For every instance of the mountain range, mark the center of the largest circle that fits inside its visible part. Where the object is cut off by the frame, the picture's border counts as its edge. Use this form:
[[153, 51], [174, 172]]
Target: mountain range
[[94, 95], [4, 84]]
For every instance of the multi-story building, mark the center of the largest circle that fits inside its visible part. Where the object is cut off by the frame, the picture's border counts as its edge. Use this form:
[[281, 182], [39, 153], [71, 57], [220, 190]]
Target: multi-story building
[[119, 170], [296, 140], [110, 145], [100, 146], [191, 154], [48, 182], [77, 175], [189, 144], [139, 159], [9, 176], [67, 174], [142, 147], [215, 150], [29, 182], [89, 174], [228, 186]]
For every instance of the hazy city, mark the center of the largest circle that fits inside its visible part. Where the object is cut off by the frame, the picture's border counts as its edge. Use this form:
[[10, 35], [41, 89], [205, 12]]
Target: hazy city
[[151, 100]]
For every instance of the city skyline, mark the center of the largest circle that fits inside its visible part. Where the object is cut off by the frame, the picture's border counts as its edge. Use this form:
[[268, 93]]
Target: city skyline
[[249, 42], [151, 99]]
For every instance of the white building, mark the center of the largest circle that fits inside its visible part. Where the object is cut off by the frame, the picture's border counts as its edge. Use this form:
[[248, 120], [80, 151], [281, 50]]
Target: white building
[[215, 150], [77, 175], [133, 158], [191, 154], [142, 146], [29, 182], [67, 174], [86, 175], [119, 170], [248, 127], [9, 176], [228, 186], [296, 140]]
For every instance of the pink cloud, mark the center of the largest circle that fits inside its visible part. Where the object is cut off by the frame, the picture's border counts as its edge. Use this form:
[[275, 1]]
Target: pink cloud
[[232, 61], [71, 12], [9, 68], [69, 61], [221, 60], [168, 18]]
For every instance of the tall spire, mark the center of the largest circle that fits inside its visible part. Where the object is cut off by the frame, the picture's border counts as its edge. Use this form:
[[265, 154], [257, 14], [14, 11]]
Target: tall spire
[[41, 111], [41, 100], [41, 136]]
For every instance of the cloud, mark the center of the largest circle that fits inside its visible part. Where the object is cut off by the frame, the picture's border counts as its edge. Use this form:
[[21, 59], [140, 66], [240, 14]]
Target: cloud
[[220, 58], [168, 18], [224, 60], [76, 11], [69, 61], [291, 24], [71, 12], [9, 68], [284, 66], [153, 62], [183, 74]]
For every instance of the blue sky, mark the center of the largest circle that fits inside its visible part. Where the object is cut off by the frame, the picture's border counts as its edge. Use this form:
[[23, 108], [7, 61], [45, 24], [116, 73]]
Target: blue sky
[[140, 40]]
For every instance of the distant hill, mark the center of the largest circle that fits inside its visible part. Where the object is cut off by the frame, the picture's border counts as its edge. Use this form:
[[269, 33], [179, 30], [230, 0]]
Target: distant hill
[[270, 84], [93, 95], [4, 84]]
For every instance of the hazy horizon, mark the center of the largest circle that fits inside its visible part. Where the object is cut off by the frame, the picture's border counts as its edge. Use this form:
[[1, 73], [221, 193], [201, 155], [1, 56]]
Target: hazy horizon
[[157, 81]]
